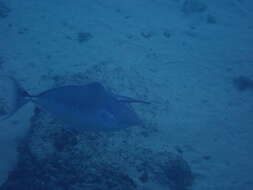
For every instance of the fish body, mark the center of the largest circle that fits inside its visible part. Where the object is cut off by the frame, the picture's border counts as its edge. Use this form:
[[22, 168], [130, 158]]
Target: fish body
[[86, 107]]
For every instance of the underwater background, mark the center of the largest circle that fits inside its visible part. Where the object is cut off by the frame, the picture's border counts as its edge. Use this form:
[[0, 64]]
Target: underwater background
[[191, 59]]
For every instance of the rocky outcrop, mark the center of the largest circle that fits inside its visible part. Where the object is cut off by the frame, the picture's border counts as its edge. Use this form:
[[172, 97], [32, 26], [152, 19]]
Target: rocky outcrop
[[54, 157]]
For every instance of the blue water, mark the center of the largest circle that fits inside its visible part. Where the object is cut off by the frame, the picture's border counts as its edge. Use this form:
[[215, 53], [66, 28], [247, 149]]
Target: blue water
[[192, 59]]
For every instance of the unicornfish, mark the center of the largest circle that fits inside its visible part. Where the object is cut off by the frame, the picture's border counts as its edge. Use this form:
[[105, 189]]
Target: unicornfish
[[88, 107]]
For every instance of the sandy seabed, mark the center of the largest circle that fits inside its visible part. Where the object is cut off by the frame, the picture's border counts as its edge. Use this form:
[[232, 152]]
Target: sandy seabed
[[186, 57]]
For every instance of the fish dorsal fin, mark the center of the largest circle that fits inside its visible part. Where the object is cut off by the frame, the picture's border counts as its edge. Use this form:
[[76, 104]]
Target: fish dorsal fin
[[126, 99]]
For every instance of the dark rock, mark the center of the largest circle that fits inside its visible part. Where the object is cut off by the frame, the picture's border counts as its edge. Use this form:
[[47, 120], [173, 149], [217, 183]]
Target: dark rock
[[170, 169], [193, 6], [167, 34], [243, 83], [147, 34], [2, 61], [23, 30], [207, 157], [4, 10], [179, 174], [84, 37], [211, 19]]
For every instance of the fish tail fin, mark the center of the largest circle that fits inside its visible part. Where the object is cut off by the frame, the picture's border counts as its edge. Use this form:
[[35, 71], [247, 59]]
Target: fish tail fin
[[15, 97]]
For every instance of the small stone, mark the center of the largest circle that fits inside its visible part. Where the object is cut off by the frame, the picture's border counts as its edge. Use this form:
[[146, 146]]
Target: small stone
[[23, 30], [167, 34], [4, 10], [193, 6], [147, 35], [207, 157], [211, 19], [243, 83], [84, 37], [1, 62]]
